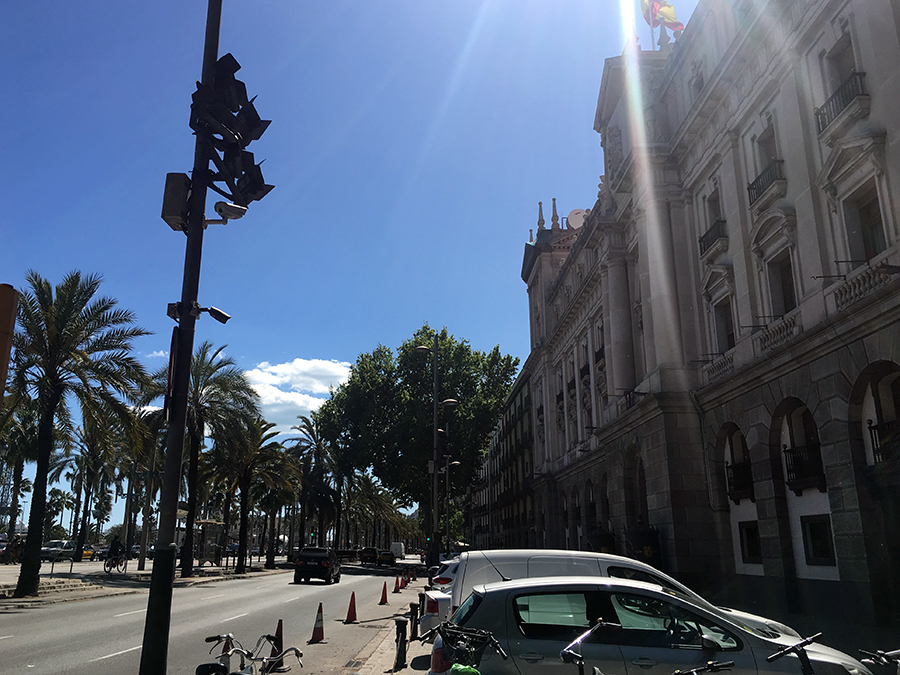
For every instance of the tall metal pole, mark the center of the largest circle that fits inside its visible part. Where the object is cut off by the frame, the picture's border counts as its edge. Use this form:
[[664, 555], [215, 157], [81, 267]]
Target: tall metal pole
[[435, 528], [155, 649]]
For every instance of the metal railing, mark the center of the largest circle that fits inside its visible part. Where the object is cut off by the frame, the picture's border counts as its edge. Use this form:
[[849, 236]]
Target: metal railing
[[853, 86], [713, 234], [804, 466], [885, 439], [773, 172]]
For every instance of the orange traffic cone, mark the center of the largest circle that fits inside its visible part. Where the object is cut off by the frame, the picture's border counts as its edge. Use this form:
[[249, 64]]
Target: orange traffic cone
[[318, 633], [384, 600], [397, 584], [402, 582], [414, 573], [277, 648], [351, 610]]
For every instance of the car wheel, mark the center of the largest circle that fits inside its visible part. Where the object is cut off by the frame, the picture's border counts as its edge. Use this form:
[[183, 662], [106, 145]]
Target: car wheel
[[337, 579]]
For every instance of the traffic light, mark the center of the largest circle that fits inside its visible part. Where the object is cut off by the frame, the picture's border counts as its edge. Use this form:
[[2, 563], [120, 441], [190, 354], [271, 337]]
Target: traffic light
[[222, 112]]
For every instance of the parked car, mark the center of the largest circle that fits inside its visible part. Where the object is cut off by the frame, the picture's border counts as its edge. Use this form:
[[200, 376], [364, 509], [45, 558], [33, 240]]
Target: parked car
[[368, 555], [386, 558], [445, 576], [481, 567], [659, 629], [435, 610], [314, 562], [57, 549]]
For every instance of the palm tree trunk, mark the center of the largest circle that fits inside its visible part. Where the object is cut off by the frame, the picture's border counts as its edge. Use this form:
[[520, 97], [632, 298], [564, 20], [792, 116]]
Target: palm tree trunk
[[241, 566], [18, 470], [30, 571], [83, 530], [270, 553]]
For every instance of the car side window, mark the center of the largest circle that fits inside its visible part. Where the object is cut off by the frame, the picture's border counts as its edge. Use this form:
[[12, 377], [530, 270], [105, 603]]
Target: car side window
[[552, 616], [653, 622]]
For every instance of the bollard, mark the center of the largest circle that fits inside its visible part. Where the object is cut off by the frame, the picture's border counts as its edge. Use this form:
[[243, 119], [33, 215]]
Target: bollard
[[413, 620], [400, 661]]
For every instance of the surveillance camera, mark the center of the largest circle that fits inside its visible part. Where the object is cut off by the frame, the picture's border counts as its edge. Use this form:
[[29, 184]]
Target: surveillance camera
[[230, 211]]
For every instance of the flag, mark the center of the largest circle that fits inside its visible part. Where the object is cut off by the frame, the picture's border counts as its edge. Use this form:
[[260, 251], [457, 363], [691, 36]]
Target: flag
[[658, 12]]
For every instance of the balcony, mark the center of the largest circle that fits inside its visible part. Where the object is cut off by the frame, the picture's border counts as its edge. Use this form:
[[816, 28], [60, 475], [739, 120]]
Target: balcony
[[804, 468], [739, 481], [849, 103], [768, 186], [713, 236], [885, 439]]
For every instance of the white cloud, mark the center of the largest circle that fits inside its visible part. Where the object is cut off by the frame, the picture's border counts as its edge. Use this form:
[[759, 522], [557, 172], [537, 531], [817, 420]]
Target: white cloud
[[158, 354], [298, 387]]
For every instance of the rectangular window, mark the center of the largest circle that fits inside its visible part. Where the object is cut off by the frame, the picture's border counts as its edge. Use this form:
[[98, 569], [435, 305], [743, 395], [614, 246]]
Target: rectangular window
[[781, 284], [865, 228], [724, 326], [817, 543], [751, 549]]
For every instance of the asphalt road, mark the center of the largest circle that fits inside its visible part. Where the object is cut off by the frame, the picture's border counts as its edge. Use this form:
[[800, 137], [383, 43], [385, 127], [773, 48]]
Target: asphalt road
[[105, 634]]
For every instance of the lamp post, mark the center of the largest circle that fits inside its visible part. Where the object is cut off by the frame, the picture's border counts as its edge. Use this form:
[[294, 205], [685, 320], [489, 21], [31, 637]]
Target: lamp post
[[434, 549], [447, 465]]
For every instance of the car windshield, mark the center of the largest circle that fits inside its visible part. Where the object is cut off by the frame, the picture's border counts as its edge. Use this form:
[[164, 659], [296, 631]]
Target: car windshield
[[467, 609]]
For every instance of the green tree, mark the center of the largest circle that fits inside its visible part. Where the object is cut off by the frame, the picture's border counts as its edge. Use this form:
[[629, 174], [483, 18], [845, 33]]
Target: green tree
[[20, 434], [219, 392], [383, 414], [69, 344], [318, 495]]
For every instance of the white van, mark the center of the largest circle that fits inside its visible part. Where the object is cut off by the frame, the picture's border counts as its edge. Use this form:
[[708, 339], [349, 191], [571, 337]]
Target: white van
[[398, 549], [483, 567]]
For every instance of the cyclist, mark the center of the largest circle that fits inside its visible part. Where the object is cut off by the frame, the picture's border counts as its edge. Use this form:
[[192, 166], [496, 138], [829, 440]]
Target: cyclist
[[116, 556]]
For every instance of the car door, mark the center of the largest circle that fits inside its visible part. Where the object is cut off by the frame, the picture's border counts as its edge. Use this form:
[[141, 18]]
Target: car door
[[542, 623], [660, 635]]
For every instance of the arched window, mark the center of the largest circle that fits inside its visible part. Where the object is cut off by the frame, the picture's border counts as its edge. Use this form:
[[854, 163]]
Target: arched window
[[880, 413], [636, 508], [738, 470], [802, 453]]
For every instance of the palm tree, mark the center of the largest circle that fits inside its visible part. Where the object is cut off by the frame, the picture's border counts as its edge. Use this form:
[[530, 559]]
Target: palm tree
[[319, 495], [20, 434], [219, 392], [69, 344], [253, 457]]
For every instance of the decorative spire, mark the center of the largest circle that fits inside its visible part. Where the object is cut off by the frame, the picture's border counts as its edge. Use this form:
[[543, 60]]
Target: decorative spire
[[530, 235], [540, 216], [555, 219]]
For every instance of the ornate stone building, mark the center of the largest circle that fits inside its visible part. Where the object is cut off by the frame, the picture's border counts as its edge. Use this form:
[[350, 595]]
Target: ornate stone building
[[714, 382]]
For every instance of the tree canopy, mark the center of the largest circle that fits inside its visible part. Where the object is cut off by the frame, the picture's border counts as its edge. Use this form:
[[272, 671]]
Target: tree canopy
[[382, 416]]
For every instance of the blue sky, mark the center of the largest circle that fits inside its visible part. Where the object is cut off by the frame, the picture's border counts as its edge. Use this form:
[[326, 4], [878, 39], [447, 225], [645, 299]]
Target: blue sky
[[410, 143]]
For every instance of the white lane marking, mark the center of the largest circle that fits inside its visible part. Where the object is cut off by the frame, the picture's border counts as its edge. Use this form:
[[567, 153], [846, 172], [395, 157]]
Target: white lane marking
[[109, 656], [5, 637], [235, 617], [137, 611], [290, 600], [210, 597]]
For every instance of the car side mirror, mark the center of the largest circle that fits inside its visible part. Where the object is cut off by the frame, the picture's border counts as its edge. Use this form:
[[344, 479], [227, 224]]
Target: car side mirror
[[709, 644]]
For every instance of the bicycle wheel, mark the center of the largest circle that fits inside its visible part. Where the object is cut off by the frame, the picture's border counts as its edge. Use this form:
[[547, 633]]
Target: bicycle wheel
[[120, 565], [108, 565]]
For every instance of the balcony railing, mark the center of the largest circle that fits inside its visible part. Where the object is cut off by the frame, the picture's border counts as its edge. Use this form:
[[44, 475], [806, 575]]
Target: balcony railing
[[772, 173], [854, 86], [804, 467], [712, 235], [739, 481], [885, 439]]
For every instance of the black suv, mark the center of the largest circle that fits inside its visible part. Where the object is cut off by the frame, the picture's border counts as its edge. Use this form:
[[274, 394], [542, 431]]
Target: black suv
[[317, 563]]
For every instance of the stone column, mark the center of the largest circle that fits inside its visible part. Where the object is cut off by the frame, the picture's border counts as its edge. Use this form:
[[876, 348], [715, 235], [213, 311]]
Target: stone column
[[620, 359]]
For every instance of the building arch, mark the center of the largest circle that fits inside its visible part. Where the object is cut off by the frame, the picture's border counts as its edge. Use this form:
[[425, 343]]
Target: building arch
[[637, 511]]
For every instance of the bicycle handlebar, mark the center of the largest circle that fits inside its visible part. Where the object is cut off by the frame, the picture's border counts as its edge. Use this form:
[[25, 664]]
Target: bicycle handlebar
[[881, 658], [710, 667], [797, 647]]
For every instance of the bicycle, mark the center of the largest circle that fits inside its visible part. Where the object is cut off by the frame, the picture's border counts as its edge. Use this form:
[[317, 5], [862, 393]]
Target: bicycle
[[251, 664], [571, 653], [116, 563], [798, 649], [464, 647]]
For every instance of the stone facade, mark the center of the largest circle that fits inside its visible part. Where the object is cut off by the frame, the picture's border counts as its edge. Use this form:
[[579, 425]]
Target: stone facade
[[714, 382]]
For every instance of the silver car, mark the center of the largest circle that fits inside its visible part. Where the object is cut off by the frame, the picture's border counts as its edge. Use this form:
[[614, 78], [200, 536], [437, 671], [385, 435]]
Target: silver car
[[653, 631]]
